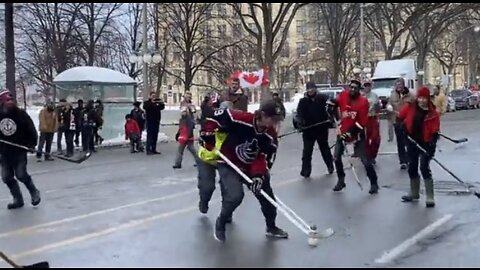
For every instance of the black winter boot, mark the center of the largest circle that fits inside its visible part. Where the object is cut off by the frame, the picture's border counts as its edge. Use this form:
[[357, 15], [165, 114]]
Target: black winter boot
[[340, 184]]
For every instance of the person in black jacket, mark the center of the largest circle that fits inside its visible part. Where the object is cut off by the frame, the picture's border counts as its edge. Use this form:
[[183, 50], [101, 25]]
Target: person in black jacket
[[17, 127], [78, 111], [153, 110], [90, 121], [138, 115], [69, 126], [61, 105], [312, 109]]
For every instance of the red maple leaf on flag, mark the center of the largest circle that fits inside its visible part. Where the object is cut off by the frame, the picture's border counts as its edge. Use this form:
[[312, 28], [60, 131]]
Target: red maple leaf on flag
[[250, 78]]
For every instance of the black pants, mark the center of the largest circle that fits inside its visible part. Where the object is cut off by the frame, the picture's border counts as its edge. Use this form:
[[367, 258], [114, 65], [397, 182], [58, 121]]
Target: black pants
[[45, 139], [69, 134], [232, 195], [308, 143], [87, 139], [401, 143], [135, 143], [414, 155], [361, 152], [59, 139], [77, 135], [16, 166], [152, 138]]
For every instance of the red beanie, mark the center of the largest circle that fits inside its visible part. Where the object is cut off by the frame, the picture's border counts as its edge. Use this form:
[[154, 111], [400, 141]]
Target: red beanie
[[423, 92]]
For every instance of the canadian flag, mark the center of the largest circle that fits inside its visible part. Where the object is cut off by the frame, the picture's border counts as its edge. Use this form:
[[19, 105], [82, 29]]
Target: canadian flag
[[251, 79]]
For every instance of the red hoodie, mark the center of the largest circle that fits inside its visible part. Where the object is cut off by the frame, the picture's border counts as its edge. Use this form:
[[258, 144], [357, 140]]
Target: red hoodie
[[131, 127], [352, 112]]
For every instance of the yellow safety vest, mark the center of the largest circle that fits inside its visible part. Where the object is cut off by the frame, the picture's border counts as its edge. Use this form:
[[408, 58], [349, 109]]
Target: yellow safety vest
[[211, 157]]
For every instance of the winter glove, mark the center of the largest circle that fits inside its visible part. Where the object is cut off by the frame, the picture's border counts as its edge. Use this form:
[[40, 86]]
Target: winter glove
[[207, 140], [346, 136], [256, 185], [176, 136]]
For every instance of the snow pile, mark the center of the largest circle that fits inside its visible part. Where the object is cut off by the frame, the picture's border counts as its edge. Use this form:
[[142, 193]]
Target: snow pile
[[93, 74]]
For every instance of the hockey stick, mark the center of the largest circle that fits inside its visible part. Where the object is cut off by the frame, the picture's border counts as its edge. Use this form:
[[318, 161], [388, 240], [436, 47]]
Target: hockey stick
[[468, 187], [353, 167], [287, 212], [32, 150], [43, 264], [461, 140], [303, 129]]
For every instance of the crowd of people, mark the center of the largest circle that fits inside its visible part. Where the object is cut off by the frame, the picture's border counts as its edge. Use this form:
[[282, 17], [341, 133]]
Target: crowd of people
[[69, 124], [231, 139]]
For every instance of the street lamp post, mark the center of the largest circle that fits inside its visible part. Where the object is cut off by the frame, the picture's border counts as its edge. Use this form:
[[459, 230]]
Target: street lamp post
[[146, 58]]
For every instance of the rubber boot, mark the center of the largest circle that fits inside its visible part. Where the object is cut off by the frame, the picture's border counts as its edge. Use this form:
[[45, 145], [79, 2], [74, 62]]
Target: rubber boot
[[17, 195], [429, 202], [414, 191], [340, 184]]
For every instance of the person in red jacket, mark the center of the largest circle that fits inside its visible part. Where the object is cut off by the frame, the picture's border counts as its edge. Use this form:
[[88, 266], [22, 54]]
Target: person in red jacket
[[353, 109], [251, 144], [133, 133], [422, 124]]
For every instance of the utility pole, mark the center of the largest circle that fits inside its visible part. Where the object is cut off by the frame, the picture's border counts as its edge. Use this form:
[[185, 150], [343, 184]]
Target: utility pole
[[362, 38], [146, 87], [10, 50]]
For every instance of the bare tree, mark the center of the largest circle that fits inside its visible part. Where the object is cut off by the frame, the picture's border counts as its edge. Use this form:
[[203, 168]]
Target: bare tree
[[426, 31], [95, 22], [185, 24], [388, 23], [46, 41], [269, 29], [342, 23]]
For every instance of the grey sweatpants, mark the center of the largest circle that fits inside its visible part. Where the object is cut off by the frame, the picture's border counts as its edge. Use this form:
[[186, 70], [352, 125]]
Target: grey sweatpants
[[232, 194]]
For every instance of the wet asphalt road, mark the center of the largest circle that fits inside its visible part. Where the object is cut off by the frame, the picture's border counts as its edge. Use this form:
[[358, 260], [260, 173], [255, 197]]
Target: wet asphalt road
[[131, 210]]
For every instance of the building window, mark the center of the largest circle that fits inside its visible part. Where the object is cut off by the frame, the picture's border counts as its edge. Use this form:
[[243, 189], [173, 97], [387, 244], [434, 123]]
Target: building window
[[237, 28], [174, 98], [285, 50], [222, 9], [377, 45], [301, 48], [165, 97], [398, 46], [208, 12], [209, 79], [222, 31], [165, 78], [301, 27]]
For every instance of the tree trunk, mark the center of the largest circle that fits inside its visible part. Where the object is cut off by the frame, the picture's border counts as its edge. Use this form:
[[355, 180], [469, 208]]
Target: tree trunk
[[420, 66], [10, 50]]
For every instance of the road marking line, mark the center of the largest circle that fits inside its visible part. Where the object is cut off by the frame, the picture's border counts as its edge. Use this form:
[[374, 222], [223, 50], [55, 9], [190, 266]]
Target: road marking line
[[130, 224], [96, 213], [124, 226], [392, 254]]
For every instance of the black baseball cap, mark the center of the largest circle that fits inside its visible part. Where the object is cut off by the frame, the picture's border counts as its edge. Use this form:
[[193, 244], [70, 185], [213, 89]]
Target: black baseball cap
[[271, 109]]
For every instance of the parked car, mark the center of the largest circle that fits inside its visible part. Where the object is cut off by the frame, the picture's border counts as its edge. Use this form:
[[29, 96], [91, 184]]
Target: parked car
[[464, 99], [450, 104]]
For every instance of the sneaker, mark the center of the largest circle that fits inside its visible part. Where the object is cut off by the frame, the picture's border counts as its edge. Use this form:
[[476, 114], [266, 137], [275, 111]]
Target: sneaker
[[49, 159], [39, 159], [410, 198], [177, 166], [219, 231], [276, 232], [403, 166]]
